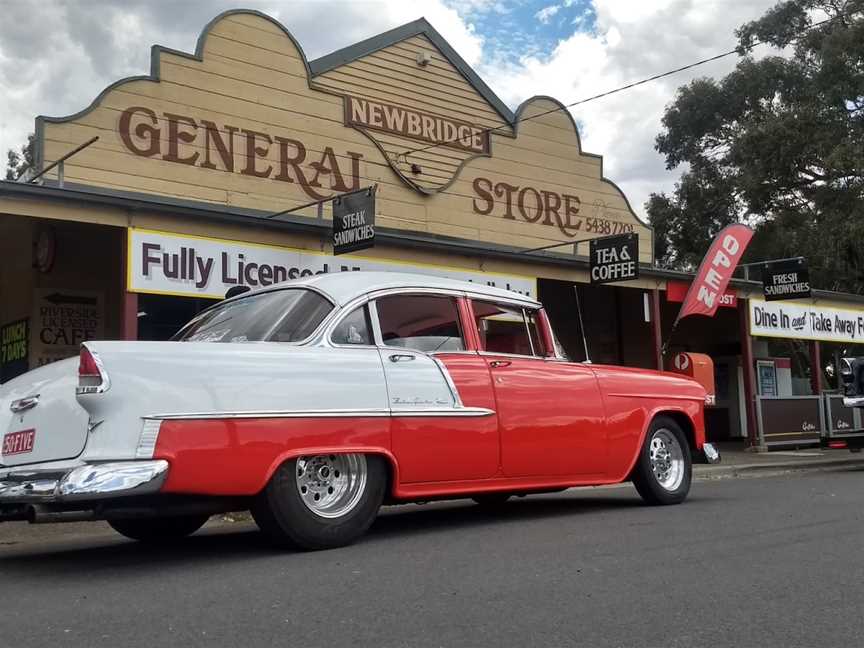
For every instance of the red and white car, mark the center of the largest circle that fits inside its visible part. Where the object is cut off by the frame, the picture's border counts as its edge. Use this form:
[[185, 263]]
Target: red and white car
[[314, 402]]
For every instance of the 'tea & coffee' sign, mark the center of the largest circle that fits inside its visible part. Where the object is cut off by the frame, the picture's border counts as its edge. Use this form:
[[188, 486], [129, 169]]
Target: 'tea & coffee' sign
[[354, 222], [614, 258]]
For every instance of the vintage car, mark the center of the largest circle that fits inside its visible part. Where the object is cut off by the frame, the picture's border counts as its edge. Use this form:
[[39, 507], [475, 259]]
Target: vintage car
[[328, 397]]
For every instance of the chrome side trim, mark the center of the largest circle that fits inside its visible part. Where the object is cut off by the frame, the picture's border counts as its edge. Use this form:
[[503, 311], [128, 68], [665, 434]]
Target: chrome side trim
[[148, 438], [444, 411], [330, 413], [449, 380]]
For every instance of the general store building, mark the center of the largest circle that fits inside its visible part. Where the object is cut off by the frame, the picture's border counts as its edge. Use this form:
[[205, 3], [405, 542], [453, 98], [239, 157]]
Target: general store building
[[178, 183]]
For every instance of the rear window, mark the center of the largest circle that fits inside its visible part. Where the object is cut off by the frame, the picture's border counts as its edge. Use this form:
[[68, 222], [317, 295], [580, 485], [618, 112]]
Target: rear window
[[279, 316]]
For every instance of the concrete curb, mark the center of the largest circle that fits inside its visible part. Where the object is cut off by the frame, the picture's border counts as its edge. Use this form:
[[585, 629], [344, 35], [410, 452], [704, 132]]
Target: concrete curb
[[731, 470]]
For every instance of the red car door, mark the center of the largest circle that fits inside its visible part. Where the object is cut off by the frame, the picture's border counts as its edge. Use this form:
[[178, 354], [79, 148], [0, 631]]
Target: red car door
[[550, 413]]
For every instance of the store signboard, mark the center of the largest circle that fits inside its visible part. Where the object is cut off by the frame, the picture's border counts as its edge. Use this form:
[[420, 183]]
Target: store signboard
[[614, 258], [767, 375], [786, 279], [164, 263], [14, 349], [806, 322], [62, 319], [676, 291], [354, 222]]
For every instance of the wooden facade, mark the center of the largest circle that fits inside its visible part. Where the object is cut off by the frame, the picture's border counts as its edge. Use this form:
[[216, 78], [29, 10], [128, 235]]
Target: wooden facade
[[247, 122]]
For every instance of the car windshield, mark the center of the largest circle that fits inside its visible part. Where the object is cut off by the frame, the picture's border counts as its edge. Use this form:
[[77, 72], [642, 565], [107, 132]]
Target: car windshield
[[279, 316]]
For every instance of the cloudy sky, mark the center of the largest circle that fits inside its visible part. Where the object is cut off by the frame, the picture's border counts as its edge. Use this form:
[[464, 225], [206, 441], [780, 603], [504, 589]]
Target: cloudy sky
[[57, 55]]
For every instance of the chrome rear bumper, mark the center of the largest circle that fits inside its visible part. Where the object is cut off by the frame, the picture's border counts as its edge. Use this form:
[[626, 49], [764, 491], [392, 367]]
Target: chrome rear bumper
[[853, 401], [89, 482]]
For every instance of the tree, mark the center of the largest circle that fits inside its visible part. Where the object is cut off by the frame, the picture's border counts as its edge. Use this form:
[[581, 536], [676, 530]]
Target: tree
[[18, 161], [777, 143]]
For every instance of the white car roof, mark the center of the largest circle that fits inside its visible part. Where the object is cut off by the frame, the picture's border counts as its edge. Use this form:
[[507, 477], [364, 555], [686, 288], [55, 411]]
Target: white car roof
[[343, 287]]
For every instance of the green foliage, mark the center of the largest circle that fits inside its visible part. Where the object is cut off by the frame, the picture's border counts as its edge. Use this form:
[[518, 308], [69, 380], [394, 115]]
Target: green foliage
[[18, 161], [778, 143]]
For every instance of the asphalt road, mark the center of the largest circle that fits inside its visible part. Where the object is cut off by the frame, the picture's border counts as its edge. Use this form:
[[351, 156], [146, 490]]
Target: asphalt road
[[773, 561]]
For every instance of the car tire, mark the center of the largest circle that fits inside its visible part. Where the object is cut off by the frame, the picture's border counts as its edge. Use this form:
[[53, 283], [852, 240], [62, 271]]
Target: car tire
[[321, 501], [160, 529], [664, 468], [492, 501]]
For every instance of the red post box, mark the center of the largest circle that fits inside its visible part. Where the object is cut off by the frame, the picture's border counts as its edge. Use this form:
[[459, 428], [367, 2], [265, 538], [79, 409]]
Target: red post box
[[698, 366]]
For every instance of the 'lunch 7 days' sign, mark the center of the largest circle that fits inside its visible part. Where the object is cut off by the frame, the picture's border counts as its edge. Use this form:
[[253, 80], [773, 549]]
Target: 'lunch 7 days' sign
[[806, 322]]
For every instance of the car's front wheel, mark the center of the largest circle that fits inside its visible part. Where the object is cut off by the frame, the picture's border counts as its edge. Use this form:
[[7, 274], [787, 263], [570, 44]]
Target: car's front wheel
[[322, 501], [663, 471], [161, 529]]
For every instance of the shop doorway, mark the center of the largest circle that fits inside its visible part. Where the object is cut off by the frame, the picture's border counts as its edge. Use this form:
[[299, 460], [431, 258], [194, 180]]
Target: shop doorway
[[616, 321]]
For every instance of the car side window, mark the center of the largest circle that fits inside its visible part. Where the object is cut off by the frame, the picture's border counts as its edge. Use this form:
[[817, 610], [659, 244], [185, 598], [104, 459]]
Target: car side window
[[427, 323], [355, 328], [507, 329]]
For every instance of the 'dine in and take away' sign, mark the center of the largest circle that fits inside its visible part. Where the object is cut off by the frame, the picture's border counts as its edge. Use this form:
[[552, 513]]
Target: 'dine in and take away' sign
[[614, 258]]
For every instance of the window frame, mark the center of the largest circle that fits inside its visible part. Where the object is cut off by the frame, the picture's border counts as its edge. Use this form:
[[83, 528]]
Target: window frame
[[456, 296], [539, 319], [346, 312]]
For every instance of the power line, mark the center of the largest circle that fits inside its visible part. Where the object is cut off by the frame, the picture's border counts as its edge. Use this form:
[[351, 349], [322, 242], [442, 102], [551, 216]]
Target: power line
[[737, 50]]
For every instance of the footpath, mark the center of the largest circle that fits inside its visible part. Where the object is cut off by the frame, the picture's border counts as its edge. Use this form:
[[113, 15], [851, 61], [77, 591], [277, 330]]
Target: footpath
[[738, 461]]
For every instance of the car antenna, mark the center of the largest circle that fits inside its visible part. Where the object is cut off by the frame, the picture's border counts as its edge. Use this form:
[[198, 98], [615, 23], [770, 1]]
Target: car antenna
[[581, 325]]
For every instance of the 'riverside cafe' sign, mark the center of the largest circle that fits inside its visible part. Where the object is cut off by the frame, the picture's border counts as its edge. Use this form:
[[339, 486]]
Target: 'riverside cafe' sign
[[806, 322]]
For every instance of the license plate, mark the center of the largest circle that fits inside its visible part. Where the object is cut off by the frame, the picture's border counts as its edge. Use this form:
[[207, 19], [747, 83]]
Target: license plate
[[18, 442]]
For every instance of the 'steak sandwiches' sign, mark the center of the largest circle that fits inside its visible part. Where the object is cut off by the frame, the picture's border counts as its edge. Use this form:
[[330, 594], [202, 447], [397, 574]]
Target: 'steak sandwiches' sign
[[354, 222]]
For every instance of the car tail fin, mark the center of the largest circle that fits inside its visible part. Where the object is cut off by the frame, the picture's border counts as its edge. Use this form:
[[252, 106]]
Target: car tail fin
[[92, 377]]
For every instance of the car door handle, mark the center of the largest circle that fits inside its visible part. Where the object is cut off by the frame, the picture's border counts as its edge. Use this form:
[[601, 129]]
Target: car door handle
[[23, 404], [499, 363], [401, 357]]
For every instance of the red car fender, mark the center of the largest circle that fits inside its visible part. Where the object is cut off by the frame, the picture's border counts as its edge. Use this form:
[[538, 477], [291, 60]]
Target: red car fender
[[698, 426]]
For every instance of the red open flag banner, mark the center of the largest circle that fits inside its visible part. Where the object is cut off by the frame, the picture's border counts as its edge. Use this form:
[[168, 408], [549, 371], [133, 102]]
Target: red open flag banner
[[715, 271]]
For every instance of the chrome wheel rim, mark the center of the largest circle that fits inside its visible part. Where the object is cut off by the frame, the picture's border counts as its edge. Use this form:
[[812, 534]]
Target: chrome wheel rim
[[667, 459], [331, 485]]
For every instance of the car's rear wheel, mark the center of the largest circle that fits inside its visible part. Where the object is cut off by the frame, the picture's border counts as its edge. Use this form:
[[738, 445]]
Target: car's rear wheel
[[322, 501], [160, 529], [664, 469]]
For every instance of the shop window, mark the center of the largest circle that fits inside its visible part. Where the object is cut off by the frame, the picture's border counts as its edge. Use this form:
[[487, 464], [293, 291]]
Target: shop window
[[354, 328], [508, 329], [427, 323]]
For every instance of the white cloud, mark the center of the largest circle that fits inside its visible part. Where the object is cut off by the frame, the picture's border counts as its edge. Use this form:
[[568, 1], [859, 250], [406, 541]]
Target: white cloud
[[632, 40], [546, 13], [56, 56]]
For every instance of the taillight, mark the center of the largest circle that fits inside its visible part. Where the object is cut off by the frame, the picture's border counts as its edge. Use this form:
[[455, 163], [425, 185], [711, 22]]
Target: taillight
[[92, 378]]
